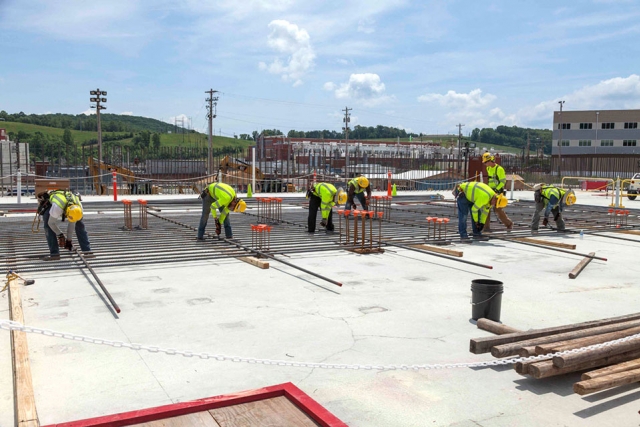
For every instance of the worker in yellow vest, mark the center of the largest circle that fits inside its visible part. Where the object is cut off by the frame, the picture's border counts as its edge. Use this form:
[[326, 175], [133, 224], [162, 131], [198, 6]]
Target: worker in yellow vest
[[497, 181], [324, 196], [552, 200], [476, 198], [219, 197], [357, 188], [57, 206]]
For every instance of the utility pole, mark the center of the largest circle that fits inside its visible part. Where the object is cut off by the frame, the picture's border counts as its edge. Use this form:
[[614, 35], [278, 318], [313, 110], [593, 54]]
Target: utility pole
[[97, 98], [211, 114], [459, 147], [346, 121], [560, 143]]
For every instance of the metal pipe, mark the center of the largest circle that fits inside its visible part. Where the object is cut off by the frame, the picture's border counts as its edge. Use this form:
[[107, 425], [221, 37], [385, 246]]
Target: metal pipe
[[95, 276]]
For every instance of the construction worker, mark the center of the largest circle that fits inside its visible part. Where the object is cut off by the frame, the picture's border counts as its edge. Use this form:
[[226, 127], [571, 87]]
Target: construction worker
[[552, 200], [324, 196], [56, 206], [357, 188], [497, 180], [219, 197], [477, 198]]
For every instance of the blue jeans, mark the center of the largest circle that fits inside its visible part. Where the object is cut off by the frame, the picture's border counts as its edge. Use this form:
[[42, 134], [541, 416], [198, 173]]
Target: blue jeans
[[206, 210], [464, 208], [362, 200], [52, 239]]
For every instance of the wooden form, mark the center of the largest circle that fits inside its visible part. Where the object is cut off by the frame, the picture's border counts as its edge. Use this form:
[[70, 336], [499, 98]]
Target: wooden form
[[619, 362], [495, 327], [581, 265], [545, 242], [439, 250], [634, 232], [24, 398], [255, 261]]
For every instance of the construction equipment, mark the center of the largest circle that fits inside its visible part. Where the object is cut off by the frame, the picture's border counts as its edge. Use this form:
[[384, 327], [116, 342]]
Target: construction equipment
[[95, 168], [241, 171]]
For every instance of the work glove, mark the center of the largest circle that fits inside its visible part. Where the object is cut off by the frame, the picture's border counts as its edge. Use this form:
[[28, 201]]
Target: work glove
[[323, 223], [479, 226], [545, 222], [309, 193], [61, 240], [556, 216], [218, 227], [68, 245]]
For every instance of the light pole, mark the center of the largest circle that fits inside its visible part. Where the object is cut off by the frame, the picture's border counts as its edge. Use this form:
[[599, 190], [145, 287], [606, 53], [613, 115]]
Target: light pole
[[211, 114], [97, 98], [560, 143], [346, 121]]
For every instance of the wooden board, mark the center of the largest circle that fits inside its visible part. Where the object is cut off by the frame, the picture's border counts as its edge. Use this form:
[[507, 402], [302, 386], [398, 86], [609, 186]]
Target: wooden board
[[255, 261], [24, 398], [545, 242], [277, 411], [200, 419], [439, 250], [634, 232], [581, 266]]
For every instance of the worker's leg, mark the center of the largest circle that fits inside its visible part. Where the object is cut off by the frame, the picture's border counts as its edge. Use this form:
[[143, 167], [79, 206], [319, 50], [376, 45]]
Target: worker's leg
[[228, 233], [463, 212], [487, 223], [535, 221], [504, 219], [362, 200], [348, 205], [557, 217], [314, 204], [206, 210], [330, 226], [83, 237], [52, 240]]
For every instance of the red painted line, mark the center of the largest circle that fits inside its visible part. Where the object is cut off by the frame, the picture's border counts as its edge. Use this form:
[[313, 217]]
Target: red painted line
[[309, 406]]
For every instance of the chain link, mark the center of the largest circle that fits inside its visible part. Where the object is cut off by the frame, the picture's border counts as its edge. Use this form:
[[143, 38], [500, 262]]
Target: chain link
[[16, 326]]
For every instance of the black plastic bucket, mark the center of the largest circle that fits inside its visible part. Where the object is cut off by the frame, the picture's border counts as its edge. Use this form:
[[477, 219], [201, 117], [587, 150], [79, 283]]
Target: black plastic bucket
[[486, 299]]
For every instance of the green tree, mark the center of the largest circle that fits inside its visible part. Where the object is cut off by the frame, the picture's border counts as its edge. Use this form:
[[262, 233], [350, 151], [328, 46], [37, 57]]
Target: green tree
[[156, 140], [67, 137]]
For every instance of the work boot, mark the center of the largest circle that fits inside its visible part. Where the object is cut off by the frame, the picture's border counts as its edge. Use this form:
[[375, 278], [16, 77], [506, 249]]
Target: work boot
[[54, 257], [200, 239], [88, 254]]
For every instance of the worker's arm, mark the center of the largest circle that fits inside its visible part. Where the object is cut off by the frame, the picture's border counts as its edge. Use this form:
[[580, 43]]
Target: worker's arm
[[55, 215], [551, 204], [368, 191], [351, 192]]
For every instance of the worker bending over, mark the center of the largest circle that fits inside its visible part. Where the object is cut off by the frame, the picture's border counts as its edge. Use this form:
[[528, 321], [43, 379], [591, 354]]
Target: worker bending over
[[497, 179], [55, 206], [477, 198], [552, 200], [357, 188], [219, 197], [324, 196]]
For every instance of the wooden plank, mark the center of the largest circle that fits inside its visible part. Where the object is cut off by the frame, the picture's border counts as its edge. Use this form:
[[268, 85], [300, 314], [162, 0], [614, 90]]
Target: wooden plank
[[255, 261], [545, 242], [577, 358], [581, 265], [620, 367], [277, 411], [495, 327], [484, 344], [511, 349], [439, 250], [24, 398], [583, 342], [200, 419], [547, 369], [634, 232], [607, 381]]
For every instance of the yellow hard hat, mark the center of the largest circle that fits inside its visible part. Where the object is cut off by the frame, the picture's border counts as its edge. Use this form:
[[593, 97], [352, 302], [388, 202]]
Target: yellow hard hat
[[74, 213], [241, 205], [501, 201], [341, 197], [570, 198], [363, 182], [487, 157]]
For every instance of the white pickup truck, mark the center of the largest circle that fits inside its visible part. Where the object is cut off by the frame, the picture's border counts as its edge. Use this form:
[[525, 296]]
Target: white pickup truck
[[634, 187]]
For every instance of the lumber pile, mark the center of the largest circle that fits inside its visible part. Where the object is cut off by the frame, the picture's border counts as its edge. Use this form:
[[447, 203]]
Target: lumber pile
[[608, 366]]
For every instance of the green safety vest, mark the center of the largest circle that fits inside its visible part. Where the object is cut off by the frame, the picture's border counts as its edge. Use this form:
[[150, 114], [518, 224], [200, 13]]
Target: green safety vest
[[480, 195], [356, 187], [222, 195], [497, 177], [64, 198], [327, 193]]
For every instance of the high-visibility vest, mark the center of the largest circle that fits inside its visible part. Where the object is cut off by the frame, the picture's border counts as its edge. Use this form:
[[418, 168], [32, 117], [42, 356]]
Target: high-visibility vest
[[497, 177], [327, 193], [356, 187], [480, 195], [550, 191], [222, 195], [63, 199]]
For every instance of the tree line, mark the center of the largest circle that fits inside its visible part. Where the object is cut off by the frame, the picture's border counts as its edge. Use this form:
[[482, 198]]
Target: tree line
[[514, 136]]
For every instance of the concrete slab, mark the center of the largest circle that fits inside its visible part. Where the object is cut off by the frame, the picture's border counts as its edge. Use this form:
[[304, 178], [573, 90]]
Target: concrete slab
[[400, 307]]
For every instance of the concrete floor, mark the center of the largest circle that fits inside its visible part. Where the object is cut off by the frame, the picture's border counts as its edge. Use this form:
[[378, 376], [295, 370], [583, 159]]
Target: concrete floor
[[400, 307]]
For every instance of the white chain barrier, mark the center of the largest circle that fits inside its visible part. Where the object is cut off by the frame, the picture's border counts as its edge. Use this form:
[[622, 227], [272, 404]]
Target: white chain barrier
[[16, 326]]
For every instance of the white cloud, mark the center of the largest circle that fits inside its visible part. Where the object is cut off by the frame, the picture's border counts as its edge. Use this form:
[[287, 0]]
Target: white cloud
[[366, 25], [89, 112], [366, 88], [288, 39], [179, 120], [471, 100], [127, 113]]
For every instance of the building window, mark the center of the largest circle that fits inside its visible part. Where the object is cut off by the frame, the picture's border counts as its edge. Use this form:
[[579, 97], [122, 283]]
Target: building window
[[631, 125], [564, 125], [606, 143], [608, 126], [628, 142], [586, 125], [564, 143], [584, 143]]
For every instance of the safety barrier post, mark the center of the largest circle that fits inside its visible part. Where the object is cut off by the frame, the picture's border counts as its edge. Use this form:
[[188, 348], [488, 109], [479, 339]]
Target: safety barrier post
[[346, 227], [364, 228], [370, 215], [380, 214], [389, 183], [115, 186], [127, 215], [142, 214], [355, 226]]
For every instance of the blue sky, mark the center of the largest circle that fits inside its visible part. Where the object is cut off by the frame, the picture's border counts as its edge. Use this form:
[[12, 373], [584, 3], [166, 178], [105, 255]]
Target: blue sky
[[286, 64]]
